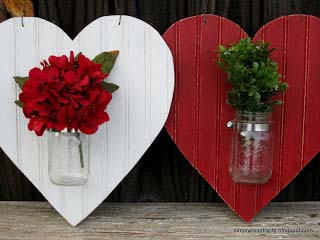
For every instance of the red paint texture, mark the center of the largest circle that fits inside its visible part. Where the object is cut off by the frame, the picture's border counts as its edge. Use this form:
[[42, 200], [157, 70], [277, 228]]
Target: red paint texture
[[199, 113]]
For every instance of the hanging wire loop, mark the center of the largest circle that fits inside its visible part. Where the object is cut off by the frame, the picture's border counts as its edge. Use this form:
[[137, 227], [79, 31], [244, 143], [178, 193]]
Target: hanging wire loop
[[119, 11], [24, 13]]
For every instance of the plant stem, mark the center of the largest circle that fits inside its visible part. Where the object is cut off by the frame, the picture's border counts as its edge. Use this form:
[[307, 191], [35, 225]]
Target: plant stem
[[80, 151]]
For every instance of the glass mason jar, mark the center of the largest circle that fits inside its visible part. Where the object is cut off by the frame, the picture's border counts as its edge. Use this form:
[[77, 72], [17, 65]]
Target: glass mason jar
[[251, 148], [68, 158]]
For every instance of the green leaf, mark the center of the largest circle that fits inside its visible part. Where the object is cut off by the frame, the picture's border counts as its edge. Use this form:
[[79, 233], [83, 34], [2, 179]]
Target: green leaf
[[107, 60], [222, 48], [19, 103], [277, 102], [110, 87], [257, 96], [251, 93], [283, 86], [20, 81], [255, 66]]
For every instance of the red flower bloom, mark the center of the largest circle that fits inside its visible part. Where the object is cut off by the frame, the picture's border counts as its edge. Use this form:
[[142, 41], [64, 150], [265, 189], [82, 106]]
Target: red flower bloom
[[65, 93]]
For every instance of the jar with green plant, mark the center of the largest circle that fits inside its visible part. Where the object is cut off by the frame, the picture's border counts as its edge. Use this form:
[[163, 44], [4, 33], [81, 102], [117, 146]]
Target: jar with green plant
[[255, 80]]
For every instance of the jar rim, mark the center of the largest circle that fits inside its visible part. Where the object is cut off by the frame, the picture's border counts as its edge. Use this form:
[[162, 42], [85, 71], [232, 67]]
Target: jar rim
[[65, 130], [254, 116], [245, 113]]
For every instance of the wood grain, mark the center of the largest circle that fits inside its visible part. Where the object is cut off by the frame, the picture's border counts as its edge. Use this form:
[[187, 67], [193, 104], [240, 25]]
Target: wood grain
[[30, 220]]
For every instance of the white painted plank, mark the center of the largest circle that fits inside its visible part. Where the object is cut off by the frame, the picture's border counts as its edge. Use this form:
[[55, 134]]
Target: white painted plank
[[26, 58], [51, 42], [8, 136]]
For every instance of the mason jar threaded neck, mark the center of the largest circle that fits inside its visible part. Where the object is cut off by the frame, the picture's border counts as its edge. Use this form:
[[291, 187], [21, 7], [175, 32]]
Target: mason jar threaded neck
[[253, 116]]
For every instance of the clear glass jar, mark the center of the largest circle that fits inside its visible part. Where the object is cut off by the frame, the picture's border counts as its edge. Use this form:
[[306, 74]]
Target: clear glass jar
[[68, 158], [251, 148]]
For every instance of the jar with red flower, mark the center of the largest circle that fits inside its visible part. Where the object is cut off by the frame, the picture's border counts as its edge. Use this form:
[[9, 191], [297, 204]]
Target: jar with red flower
[[68, 98]]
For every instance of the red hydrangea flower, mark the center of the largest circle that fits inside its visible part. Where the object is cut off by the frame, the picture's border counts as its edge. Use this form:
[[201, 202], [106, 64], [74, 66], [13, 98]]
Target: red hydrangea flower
[[65, 93]]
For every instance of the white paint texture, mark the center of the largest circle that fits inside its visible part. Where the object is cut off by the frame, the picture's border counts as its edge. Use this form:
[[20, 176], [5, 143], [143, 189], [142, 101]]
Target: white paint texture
[[144, 71]]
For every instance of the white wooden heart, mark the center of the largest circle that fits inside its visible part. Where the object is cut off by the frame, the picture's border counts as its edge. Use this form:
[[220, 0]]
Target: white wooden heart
[[138, 111]]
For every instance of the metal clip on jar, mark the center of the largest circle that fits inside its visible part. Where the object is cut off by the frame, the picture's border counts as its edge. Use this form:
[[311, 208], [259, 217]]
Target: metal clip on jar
[[251, 148]]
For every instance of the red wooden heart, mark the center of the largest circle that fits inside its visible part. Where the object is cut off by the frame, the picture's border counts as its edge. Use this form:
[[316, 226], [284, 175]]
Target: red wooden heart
[[198, 117]]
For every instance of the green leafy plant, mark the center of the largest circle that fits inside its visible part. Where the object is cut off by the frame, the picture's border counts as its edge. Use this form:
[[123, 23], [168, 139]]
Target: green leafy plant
[[253, 75]]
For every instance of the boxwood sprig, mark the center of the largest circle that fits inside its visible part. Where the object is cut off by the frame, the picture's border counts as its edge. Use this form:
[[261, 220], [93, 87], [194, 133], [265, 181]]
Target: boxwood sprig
[[252, 74]]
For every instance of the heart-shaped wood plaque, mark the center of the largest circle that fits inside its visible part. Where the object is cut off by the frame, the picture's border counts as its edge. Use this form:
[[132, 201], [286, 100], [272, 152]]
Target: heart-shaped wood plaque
[[138, 111], [199, 113]]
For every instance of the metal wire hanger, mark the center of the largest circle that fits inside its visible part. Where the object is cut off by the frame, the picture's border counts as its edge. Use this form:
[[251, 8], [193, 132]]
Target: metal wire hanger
[[24, 13], [119, 10]]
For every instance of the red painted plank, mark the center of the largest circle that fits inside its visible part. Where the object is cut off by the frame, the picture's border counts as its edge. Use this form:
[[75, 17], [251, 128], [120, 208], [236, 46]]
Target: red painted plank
[[187, 70], [208, 90], [198, 117], [279, 42], [226, 188]]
